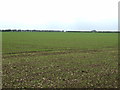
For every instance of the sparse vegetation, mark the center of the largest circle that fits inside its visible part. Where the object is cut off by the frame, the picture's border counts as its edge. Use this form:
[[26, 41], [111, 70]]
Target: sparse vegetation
[[60, 60]]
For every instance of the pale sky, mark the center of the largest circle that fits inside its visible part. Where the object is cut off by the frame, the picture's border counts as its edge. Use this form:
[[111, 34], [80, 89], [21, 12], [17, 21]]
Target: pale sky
[[59, 14]]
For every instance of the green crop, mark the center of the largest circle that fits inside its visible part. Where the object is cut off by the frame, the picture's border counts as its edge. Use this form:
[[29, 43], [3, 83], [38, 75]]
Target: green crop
[[60, 60]]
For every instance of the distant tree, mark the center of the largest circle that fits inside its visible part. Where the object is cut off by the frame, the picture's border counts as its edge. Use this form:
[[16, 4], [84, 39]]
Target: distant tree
[[7, 30], [19, 30], [93, 31], [14, 30]]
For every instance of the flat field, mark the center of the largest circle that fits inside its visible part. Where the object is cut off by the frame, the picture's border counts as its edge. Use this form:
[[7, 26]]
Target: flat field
[[59, 60]]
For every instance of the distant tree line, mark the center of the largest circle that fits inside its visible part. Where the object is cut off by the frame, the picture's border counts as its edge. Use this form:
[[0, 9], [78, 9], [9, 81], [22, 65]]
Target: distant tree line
[[93, 31], [15, 30]]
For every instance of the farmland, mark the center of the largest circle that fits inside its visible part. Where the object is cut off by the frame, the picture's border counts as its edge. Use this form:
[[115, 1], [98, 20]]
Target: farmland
[[59, 60]]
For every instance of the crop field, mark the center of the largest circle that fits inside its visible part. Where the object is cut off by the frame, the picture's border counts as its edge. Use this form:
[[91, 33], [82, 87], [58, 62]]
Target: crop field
[[59, 60]]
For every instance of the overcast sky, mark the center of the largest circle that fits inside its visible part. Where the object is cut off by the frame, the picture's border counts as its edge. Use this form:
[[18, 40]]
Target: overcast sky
[[59, 14]]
